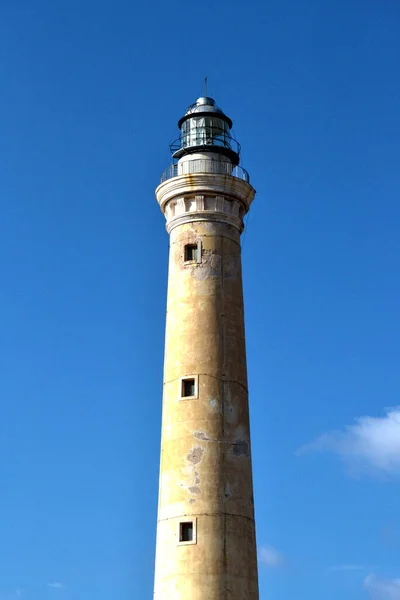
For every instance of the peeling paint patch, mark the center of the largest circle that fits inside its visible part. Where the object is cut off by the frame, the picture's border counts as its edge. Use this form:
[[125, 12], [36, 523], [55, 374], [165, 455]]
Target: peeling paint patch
[[231, 414], [232, 267], [241, 433], [213, 403], [241, 448], [194, 489], [209, 267], [195, 455], [196, 478], [192, 501], [200, 435]]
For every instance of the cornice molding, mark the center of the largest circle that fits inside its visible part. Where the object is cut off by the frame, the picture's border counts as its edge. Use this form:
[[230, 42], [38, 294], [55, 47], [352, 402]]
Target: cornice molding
[[204, 197]]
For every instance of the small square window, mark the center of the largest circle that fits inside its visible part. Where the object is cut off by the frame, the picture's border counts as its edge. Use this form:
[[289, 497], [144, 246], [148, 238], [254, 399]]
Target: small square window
[[188, 387], [186, 532], [191, 252]]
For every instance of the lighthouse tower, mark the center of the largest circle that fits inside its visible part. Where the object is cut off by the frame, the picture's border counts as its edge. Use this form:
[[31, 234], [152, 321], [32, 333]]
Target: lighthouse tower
[[206, 546]]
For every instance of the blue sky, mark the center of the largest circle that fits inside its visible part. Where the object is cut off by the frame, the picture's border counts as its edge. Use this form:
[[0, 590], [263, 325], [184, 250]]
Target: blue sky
[[90, 96]]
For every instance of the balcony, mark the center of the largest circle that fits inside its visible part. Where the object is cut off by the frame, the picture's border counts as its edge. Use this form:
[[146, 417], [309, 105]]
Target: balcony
[[204, 165]]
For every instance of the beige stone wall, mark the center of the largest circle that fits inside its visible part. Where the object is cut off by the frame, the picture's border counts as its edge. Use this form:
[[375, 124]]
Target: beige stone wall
[[205, 471]]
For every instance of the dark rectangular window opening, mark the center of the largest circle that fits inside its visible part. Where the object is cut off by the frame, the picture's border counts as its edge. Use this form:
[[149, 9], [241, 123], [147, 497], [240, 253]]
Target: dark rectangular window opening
[[191, 252], [186, 532], [188, 387]]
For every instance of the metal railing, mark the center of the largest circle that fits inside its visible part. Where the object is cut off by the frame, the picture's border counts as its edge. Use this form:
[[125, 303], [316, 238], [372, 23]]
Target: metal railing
[[204, 165], [202, 138]]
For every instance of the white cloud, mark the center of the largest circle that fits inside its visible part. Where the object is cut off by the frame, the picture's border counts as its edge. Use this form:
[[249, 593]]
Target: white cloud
[[382, 589], [373, 443], [56, 585], [270, 557], [348, 568]]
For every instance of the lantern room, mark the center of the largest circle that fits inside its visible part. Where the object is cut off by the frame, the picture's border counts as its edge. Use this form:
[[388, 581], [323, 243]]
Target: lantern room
[[205, 128]]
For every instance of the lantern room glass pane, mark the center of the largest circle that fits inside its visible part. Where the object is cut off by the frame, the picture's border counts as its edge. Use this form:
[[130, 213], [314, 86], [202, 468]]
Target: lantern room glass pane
[[209, 131]]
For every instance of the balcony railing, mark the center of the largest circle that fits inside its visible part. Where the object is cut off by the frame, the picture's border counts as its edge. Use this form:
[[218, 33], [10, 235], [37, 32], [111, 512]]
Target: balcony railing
[[204, 165], [210, 137]]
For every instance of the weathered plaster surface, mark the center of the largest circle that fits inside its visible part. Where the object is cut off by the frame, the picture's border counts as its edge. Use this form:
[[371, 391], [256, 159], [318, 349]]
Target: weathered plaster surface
[[205, 471]]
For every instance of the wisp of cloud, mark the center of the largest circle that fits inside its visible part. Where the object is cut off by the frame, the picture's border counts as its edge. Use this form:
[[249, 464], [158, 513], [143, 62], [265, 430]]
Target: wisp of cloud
[[270, 557], [372, 444], [348, 568], [382, 589]]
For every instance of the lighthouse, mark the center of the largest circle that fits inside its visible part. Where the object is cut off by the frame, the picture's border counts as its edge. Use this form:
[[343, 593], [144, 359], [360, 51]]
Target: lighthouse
[[206, 544]]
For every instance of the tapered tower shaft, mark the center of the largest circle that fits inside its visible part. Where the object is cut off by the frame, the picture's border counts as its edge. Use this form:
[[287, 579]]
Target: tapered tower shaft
[[206, 547]]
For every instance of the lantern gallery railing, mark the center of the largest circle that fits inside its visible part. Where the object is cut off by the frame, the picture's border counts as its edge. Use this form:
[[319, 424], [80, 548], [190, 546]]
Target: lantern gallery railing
[[204, 165], [199, 138]]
